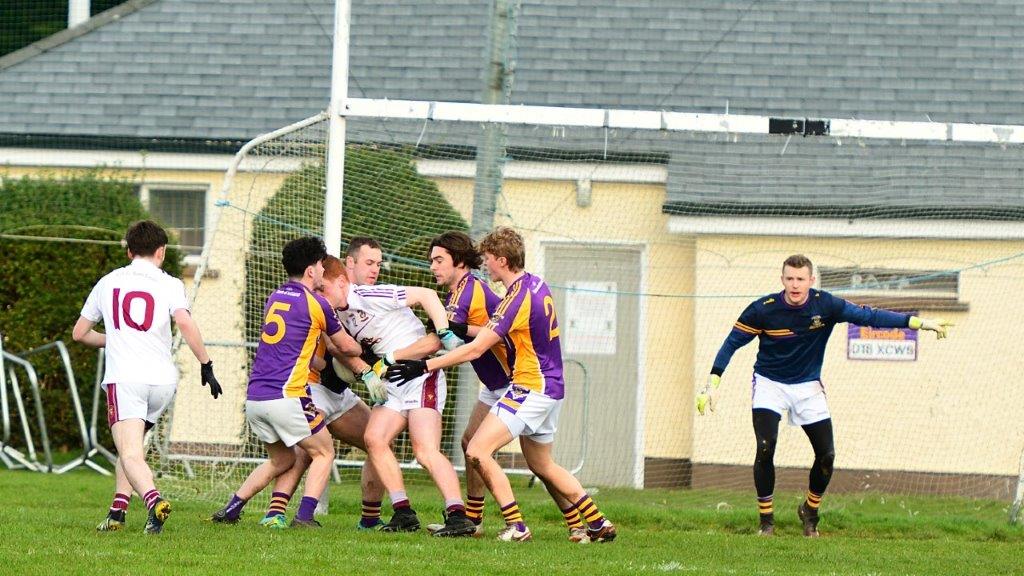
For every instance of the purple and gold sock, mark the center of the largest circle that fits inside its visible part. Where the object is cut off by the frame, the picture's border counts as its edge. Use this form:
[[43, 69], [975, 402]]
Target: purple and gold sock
[[278, 504]]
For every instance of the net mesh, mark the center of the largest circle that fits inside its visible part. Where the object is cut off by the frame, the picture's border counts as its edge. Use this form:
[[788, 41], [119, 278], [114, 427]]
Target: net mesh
[[653, 242]]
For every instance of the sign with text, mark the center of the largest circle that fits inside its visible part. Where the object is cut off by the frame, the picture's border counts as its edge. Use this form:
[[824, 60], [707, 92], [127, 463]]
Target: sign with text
[[895, 344]]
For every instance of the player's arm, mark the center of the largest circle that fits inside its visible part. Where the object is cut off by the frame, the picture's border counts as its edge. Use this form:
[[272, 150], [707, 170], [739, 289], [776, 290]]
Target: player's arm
[[879, 318], [190, 332], [83, 332], [746, 328], [409, 369], [427, 299], [343, 345], [318, 363]]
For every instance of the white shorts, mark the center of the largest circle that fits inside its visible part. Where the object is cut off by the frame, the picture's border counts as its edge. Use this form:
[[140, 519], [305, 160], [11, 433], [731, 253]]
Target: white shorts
[[289, 420], [490, 397], [332, 404], [529, 414], [143, 401], [427, 391], [804, 402]]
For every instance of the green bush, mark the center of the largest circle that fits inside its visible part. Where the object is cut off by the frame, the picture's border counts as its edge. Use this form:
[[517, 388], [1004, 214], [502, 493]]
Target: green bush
[[45, 282]]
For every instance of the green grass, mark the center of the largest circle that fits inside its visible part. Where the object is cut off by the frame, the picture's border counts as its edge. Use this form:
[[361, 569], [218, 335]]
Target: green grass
[[47, 526]]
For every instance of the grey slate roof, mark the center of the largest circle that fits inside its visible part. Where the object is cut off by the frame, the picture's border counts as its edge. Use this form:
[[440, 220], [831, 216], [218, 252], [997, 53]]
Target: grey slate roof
[[230, 69]]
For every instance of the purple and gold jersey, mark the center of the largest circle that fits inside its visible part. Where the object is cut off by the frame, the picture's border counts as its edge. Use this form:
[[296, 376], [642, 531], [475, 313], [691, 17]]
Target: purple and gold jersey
[[525, 319], [472, 303], [293, 319]]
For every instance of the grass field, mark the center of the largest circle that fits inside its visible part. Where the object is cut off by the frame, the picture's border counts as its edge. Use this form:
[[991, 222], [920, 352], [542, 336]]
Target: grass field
[[47, 526]]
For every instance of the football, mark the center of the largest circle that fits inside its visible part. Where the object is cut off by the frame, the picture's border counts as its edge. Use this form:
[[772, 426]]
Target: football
[[343, 372]]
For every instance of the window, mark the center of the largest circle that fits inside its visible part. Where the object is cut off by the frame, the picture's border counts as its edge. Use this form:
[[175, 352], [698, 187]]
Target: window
[[182, 210], [895, 289]]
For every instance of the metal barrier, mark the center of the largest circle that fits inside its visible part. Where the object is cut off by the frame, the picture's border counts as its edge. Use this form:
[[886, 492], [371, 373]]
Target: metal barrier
[[87, 448], [94, 443], [10, 456]]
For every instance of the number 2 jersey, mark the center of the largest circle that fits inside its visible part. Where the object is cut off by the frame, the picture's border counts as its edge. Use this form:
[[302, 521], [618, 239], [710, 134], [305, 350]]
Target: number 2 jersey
[[293, 320], [525, 319], [472, 302], [136, 304]]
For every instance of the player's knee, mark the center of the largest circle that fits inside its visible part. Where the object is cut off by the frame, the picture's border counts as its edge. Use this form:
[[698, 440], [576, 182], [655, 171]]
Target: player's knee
[[826, 462], [424, 454], [373, 442], [474, 455], [765, 450]]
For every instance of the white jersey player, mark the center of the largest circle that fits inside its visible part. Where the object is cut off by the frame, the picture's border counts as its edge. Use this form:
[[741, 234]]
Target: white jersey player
[[380, 318], [136, 304]]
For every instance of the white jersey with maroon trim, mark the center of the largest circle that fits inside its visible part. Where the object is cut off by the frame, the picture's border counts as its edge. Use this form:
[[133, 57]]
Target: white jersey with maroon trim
[[135, 304]]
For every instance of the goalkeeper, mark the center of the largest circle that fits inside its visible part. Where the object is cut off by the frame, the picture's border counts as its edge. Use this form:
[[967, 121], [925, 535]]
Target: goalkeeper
[[793, 327]]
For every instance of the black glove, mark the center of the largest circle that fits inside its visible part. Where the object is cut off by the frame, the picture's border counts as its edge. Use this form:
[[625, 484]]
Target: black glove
[[459, 329], [404, 370], [208, 378]]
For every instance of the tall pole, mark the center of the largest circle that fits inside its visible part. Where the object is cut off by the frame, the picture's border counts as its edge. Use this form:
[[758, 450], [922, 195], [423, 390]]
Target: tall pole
[[78, 12], [490, 158], [336, 124], [490, 150]]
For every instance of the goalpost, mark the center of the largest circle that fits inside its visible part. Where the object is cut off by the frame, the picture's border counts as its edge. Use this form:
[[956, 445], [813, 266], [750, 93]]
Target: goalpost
[[654, 229]]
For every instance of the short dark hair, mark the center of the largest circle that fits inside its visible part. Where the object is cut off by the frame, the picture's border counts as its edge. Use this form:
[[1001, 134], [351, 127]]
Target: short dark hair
[[798, 261], [301, 253], [145, 237], [460, 246], [505, 242], [360, 241]]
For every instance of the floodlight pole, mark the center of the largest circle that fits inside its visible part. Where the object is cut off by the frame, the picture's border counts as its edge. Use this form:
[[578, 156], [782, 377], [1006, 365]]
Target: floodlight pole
[[336, 136]]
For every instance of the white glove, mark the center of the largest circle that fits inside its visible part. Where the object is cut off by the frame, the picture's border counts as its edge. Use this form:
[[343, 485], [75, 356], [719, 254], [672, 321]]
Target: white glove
[[706, 397], [935, 325], [374, 385], [449, 340]]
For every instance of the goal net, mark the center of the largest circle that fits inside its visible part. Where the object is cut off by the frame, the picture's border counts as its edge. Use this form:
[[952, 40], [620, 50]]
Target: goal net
[[654, 232]]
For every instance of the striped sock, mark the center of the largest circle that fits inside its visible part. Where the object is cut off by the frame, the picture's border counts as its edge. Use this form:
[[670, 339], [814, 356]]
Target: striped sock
[[151, 497], [371, 514], [813, 500], [120, 503], [590, 513], [766, 505], [278, 504], [572, 517], [475, 508], [306, 508], [399, 499], [513, 515]]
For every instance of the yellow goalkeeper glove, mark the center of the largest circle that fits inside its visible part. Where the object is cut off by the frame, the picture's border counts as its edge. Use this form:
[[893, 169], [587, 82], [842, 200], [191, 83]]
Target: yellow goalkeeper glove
[[381, 366], [937, 326], [706, 398]]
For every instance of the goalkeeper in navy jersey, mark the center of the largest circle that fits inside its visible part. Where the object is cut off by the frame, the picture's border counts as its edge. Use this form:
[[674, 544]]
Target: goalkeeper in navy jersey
[[792, 328]]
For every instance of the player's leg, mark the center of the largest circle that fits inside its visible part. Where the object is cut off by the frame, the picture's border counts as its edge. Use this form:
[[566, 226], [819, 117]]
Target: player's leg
[[820, 435], [284, 487], [384, 425], [766, 434], [425, 433], [320, 448], [537, 450], [350, 428], [573, 519], [119, 507], [280, 424], [475, 487], [492, 434]]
